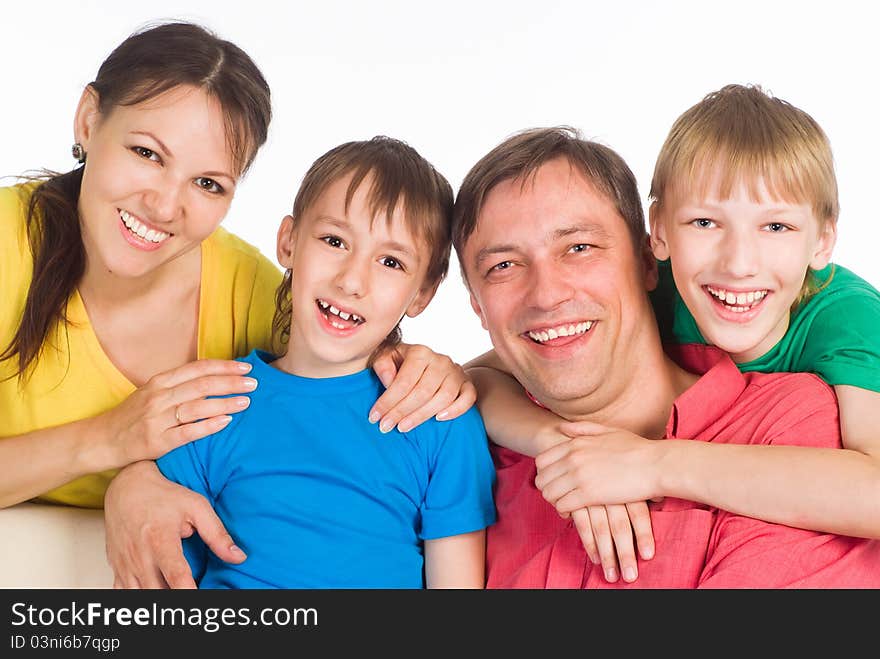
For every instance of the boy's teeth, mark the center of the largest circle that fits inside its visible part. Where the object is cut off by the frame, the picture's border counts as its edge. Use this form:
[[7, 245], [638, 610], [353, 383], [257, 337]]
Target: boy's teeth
[[336, 312], [737, 301], [549, 334]]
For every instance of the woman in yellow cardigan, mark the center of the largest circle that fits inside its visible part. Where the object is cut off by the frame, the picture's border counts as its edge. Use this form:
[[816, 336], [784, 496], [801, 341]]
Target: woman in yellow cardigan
[[123, 304]]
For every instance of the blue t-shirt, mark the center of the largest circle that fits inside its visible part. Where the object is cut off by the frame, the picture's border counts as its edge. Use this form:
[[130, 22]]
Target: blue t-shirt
[[317, 497]]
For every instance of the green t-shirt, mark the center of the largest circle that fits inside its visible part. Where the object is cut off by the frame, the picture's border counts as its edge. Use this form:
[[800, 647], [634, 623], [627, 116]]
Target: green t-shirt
[[834, 333]]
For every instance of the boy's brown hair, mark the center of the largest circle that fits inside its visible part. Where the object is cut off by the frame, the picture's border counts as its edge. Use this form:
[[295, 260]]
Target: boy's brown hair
[[749, 134], [397, 175], [520, 156]]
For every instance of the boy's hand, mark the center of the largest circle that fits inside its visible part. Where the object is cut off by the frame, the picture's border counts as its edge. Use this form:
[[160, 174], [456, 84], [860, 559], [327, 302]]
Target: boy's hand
[[607, 535], [598, 466], [419, 384]]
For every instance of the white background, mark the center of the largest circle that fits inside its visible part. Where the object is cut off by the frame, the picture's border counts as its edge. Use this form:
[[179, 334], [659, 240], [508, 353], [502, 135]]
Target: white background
[[453, 78]]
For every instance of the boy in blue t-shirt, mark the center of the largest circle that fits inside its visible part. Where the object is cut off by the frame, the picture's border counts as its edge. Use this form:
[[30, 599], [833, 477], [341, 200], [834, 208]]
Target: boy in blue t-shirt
[[315, 495]]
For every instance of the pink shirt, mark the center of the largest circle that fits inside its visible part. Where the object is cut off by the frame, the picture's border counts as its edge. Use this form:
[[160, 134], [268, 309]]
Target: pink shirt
[[697, 546]]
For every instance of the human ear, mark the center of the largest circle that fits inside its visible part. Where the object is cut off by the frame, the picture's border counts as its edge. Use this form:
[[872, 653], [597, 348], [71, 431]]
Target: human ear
[[658, 233], [286, 241], [649, 265], [421, 300], [475, 305], [825, 244], [87, 117]]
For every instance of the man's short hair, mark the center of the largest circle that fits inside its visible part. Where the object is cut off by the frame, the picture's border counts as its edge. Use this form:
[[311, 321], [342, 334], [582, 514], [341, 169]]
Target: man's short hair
[[520, 157]]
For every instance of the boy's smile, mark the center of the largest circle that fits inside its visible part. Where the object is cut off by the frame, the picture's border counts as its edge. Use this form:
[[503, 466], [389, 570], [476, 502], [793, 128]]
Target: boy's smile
[[338, 319], [355, 272], [739, 262]]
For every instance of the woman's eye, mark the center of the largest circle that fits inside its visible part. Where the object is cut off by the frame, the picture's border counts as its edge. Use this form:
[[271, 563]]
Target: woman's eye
[[209, 184], [333, 241], [144, 152], [391, 262], [703, 223]]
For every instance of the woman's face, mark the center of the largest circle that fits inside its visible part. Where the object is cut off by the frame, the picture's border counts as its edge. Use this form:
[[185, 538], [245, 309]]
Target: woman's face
[[158, 179]]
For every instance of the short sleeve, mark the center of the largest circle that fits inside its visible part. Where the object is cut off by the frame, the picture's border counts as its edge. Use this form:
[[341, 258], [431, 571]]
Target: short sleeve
[[843, 344], [186, 465], [458, 498]]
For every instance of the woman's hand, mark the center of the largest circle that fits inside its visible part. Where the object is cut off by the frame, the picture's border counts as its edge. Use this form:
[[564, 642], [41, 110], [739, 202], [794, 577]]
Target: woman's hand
[[146, 515], [419, 384], [171, 409]]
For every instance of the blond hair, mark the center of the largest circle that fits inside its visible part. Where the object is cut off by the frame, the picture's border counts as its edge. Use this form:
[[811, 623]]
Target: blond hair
[[747, 134]]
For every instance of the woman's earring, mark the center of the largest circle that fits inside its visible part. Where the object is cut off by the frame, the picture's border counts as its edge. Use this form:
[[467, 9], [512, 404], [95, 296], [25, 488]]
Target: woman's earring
[[78, 152]]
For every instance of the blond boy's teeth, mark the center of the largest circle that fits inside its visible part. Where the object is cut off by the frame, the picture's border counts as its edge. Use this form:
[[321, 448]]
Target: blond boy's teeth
[[542, 336], [141, 230], [737, 302]]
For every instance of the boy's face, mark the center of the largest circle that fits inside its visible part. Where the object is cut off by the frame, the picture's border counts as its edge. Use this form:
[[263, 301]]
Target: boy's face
[[739, 263], [353, 278]]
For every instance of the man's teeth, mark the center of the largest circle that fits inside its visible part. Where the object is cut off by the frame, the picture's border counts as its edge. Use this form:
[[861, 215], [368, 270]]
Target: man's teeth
[[737, 302], [342, 314], [563, 330], [139, 228]]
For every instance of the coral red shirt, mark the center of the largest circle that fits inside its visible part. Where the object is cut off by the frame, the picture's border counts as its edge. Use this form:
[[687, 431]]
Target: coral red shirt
[[697, 546]]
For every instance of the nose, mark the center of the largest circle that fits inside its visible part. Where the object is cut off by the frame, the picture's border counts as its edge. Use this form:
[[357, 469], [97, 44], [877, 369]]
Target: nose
[[353, 275], [164, 201], [548, 286], [740, 254]]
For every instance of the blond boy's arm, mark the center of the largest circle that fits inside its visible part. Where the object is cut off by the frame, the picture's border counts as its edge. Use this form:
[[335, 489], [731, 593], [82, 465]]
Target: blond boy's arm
[[512, 420], [457, 561]]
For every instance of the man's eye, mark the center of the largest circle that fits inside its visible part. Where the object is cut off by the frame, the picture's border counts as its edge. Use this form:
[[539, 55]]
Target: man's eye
[[333, 241], [580, 247], [144, 152], [209, 184], [776, 227], [504, 265], [391, 262], [703, 223]]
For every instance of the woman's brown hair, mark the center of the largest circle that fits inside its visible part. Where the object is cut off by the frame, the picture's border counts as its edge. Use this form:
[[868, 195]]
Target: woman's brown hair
[[150, 62]]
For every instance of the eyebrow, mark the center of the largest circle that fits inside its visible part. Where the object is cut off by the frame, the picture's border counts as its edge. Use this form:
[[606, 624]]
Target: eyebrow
[[390, 244], [212, 174], [585, 228]]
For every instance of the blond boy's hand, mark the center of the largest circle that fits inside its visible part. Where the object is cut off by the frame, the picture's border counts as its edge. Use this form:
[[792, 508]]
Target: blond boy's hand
[[420, 384]]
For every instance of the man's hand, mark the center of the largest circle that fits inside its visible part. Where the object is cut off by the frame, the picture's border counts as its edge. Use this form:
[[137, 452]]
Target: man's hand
[[419, 384], [146, 516], [607, 535]]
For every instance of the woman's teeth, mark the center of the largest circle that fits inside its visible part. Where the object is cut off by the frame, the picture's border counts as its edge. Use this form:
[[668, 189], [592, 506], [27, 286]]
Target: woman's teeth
[[139, 228]]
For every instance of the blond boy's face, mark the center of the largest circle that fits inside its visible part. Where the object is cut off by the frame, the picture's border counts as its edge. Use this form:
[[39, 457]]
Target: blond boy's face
[[739, 262], [353, 279]]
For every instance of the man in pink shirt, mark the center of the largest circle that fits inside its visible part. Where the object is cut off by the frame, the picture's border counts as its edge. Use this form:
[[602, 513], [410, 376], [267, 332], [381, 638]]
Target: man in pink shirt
[[550, 234]]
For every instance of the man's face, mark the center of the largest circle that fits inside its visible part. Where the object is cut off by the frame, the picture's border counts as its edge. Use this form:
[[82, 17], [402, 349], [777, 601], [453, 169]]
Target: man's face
[[557, 283]]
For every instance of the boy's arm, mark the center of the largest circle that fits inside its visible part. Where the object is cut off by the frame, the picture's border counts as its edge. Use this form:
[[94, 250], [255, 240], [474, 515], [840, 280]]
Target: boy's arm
[[457, 561], [794, 478], [512, 420]]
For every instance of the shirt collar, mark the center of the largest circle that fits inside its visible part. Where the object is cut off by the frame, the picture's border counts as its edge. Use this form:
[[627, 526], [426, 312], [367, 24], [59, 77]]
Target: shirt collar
[[719, 386]]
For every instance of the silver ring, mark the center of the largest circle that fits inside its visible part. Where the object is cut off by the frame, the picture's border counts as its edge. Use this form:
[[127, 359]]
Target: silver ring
[[177, 415]]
